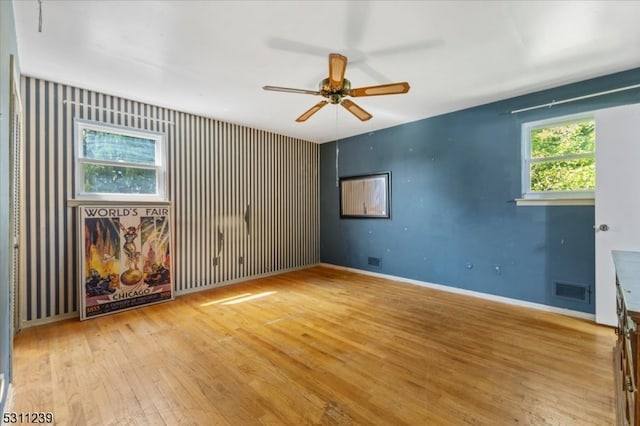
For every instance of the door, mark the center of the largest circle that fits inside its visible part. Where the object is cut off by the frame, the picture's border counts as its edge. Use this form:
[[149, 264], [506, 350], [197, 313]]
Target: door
[[617, 201], [15, 167]]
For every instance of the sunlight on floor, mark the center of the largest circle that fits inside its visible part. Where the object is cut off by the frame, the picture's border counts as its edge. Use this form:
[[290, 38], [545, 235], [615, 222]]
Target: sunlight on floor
[[234, 300]]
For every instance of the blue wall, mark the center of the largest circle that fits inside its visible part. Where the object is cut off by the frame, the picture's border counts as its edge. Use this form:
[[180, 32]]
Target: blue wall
[[453, 217]]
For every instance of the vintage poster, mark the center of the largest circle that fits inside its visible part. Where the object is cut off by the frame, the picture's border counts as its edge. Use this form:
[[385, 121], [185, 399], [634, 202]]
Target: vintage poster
[[125, 258]]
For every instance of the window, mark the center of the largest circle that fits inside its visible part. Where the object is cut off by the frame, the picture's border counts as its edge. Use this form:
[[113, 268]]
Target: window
[[559, 158], [119, 163]]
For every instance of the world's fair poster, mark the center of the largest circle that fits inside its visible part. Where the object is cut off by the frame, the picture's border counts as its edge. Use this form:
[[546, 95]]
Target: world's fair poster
[[126, 258]]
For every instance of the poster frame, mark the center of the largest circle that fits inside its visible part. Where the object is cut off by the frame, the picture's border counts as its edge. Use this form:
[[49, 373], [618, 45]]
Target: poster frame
[[114, 278]]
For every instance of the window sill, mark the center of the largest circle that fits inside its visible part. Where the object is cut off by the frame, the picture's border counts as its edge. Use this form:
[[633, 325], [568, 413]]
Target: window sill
[[100, 202], [555, 202]]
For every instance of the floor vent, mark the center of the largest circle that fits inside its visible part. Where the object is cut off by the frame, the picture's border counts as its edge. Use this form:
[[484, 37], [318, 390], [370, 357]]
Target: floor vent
[[577, 292], [373, 261]]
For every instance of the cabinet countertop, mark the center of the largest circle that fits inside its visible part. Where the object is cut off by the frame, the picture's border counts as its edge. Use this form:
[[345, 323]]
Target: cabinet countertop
[[627, 265]]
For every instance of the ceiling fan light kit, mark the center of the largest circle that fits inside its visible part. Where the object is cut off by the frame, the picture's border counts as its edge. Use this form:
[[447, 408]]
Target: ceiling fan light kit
[[336, 88]]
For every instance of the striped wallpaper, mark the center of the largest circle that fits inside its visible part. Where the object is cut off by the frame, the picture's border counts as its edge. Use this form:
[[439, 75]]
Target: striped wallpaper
[[245, 201]]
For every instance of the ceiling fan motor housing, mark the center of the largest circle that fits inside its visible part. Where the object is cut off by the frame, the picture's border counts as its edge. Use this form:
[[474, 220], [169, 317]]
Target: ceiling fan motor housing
[[334, 95]]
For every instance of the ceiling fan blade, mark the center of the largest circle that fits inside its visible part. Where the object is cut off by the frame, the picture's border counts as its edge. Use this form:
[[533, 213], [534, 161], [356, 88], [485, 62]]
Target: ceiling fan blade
[[384, 89], [337, 66], [311, 111], [369, 70], [297, 47], [290, 90], [358, 13], [355, 110], [406, 48]]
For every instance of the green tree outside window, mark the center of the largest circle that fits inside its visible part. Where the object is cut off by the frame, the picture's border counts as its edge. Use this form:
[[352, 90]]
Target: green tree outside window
[[562, 157], [119, 162]]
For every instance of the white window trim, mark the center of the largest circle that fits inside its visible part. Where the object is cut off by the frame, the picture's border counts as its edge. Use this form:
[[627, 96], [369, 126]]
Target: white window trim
[[556, 202], [160, 166], [529, 197]]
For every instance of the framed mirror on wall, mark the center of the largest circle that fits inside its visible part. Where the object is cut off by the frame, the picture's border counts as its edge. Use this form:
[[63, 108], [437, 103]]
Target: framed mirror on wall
[[366, 196]]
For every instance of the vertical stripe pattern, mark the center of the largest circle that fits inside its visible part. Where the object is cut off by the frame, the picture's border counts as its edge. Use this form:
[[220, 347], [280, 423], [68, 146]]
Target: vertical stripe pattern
[[245, 201]]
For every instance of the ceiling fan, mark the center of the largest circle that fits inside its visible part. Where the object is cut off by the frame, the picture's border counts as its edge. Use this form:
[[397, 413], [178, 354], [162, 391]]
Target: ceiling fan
[[336, 88]]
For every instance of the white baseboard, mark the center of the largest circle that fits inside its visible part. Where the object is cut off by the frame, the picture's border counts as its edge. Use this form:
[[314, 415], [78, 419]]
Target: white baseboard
[[76, 314], [472, 293], [48, 320], [507, 300], [243, 279]]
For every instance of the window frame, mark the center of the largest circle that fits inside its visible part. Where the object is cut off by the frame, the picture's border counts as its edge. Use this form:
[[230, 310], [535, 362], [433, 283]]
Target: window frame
[[527, 128], [160, 165]]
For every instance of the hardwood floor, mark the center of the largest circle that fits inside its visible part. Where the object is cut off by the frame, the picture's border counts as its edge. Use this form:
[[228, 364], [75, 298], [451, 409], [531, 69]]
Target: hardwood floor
[[319, 347]]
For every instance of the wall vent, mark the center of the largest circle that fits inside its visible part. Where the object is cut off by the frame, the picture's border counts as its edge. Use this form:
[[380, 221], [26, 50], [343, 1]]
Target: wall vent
[[577, 292], [373, 261]]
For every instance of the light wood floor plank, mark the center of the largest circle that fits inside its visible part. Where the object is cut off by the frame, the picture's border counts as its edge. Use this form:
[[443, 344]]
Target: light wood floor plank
[[319, 347]]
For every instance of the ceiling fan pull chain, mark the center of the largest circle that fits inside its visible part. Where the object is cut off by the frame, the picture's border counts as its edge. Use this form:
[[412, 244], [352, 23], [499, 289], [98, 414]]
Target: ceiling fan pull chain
[[337, 150]]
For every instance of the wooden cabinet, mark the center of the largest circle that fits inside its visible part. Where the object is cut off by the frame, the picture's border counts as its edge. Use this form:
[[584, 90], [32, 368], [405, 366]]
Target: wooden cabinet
[[625, 352]]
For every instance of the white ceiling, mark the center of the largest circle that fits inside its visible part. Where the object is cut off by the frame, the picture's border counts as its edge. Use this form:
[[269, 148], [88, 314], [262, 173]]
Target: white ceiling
[[212, 58]]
